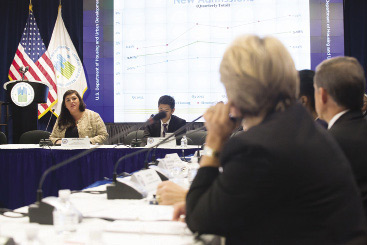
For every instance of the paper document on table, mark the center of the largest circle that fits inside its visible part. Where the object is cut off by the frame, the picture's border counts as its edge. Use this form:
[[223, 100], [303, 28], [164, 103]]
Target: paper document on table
[[155, 227], [136, 212]]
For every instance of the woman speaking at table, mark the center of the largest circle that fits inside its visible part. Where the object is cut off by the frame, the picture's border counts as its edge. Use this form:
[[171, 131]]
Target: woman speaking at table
[[283, 180], [75, 121]]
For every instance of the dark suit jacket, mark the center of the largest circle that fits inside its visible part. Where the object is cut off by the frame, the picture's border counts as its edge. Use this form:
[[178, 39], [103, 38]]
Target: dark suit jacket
[[284, 181], [154, 130], [350, 131]]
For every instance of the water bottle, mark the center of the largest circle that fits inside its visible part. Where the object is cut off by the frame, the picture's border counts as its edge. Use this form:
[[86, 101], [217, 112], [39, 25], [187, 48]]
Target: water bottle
[[193, 167], [184, 142], [65, 215]]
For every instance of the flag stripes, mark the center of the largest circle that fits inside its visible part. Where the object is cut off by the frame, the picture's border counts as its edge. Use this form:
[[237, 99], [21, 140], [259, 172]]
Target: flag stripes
[[32, 53]]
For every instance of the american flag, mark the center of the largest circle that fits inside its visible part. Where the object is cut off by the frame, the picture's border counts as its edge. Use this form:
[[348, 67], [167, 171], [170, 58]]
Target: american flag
[[31, 52]]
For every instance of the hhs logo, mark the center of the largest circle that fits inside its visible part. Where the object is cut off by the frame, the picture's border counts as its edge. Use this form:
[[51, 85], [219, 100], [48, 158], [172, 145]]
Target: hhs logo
[[22, 94], [68, 66]]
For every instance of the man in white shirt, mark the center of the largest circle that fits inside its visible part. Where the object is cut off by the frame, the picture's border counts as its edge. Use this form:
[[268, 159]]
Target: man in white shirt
[[339, 90]]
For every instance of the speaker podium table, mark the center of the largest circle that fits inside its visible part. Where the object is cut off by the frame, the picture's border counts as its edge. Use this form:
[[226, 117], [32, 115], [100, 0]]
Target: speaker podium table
[[24, 97]]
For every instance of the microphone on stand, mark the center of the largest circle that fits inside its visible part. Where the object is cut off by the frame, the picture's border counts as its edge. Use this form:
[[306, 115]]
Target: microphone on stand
[[47, 142], [153, 118], [233, 119], [49, 120], [41, 212], [166, 139], [118, 190]]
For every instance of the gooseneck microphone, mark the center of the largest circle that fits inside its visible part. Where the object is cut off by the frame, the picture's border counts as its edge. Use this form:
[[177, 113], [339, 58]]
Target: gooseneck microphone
[[118, 190], [153, 118], [49, 120], [47, 141], [137, 142], [41, 212], [168, 138]]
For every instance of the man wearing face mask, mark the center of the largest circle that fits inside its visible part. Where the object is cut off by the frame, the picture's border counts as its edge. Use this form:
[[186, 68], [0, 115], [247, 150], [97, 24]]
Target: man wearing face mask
[[169, 124]]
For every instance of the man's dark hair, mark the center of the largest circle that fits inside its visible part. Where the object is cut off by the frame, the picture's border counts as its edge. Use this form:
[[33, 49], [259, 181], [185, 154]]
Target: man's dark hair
[[167, 100], [306, 86], [344, 80]]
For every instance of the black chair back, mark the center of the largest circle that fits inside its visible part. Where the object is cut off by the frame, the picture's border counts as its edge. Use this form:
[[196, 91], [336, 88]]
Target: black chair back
[[198, 138], [132, 135], [3, 139], [33, 137]]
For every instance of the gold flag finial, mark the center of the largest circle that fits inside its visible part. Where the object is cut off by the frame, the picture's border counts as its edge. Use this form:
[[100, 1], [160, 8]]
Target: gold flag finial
[[30, 6]]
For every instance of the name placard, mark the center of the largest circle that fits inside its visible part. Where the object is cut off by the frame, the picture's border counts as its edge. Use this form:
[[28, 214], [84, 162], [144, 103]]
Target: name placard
[[152, 141], [75, 143], [173, 166], [173, 156], [148, 179], [167, 164]]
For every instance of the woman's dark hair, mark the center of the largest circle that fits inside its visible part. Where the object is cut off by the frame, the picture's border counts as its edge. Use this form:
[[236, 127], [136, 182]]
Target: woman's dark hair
[[65, 118]]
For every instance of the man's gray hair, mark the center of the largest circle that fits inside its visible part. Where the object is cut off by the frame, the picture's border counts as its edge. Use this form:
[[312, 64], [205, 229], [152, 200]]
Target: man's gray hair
[[343, 78]]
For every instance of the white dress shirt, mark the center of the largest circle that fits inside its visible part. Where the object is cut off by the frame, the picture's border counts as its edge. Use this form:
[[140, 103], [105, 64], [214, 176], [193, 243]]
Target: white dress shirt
[[162, 127], [335, 118]]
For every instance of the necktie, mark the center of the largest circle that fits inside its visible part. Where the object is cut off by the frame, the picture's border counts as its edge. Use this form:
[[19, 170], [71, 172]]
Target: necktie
[[165, 129]]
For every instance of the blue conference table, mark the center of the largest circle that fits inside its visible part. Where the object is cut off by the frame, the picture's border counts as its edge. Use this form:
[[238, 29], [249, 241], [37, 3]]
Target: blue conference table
[[21, 167]]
